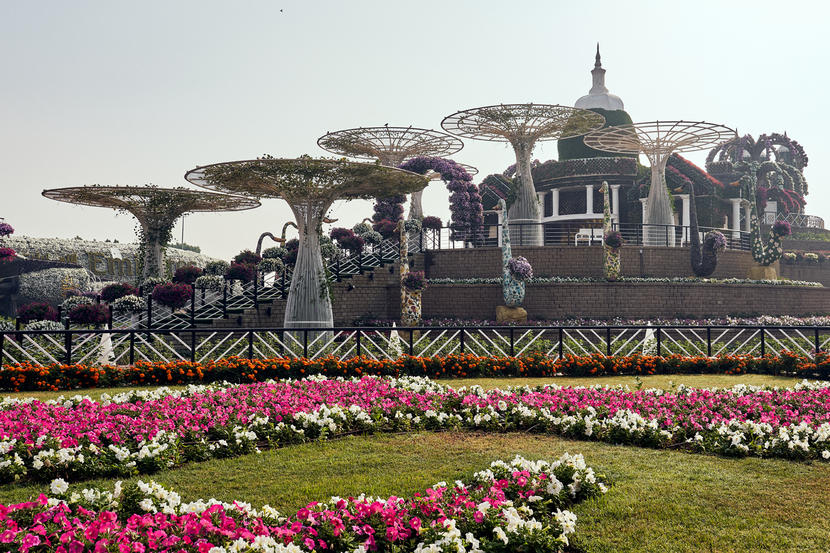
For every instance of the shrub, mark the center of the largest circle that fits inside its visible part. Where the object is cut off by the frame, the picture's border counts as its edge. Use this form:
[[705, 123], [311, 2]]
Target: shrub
[[129, 304], [73, 301], [112, 292], [274, 252], [247, 257], [361, 228], [37, 311], [373, 238], [240, 271], [613, 239], [210, 282], [782, 228], [432, 223], [353, 243], [5, 229], [339, 232], [414, 281], [385, 227], [44, 325], [271, 265], [520, 268], [187, 274], [173, 295], [217, 267], [89, 314]]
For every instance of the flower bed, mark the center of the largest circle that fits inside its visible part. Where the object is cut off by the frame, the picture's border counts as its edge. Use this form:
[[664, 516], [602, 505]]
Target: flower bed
[[28, 376], [521, 505], [142, 432]]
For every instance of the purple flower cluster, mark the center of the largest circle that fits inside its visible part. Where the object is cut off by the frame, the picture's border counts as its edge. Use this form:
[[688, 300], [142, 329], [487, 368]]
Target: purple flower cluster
[[520, 268], [782, 228], [613, 239], [414, 281], [7, 254], [5, 230], [431, 223], [89, 314], [176, 295], [717, 239]]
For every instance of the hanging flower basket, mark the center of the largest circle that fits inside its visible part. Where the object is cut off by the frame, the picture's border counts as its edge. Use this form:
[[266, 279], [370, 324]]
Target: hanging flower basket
[[89, 314], [112, 292], [613, 239], [37, 311], [172, 295], [414, 281], [520, 268], [782, 228]]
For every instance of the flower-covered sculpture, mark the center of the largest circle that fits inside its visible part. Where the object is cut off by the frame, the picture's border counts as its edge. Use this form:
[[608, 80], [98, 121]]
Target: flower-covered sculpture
[[612, 240], [513, 284], [769, 253], [412, 284], [704, 260]]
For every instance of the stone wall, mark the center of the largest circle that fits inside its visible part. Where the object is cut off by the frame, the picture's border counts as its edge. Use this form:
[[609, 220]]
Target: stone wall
[[813, 273], [583, 261]]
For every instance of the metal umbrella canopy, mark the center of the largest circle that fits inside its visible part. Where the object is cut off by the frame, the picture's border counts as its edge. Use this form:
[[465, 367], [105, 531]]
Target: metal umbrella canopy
[[309, 186], [523, 125], [389, 145], [658, 140], [156, 210]]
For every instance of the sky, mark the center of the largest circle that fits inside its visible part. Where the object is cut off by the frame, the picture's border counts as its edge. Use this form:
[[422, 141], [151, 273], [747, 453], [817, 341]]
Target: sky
[[130, 93]]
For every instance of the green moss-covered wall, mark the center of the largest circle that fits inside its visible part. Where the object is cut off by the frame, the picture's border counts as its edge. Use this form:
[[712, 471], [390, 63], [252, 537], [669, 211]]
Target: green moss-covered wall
[[575, 148]]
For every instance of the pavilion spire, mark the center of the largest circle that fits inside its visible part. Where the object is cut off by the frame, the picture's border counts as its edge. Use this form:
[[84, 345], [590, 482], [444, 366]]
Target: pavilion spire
[[598, 73]]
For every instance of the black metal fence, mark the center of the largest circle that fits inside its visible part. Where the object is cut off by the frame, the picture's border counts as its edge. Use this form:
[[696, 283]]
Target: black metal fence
[[126, 346]]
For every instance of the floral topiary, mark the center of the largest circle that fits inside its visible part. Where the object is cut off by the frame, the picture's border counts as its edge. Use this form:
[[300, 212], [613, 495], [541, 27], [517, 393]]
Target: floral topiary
[[414, 281], [373, 238], [73, 301], [339, 232], [44, 325], [613, 239], [247, 257], [782, 228], [37, 311], [275, 252], [112, 292], [271, 265], [353, 243], [432, 223], [129, 304], [5, 229], [240, 271], [217, 267], [716, 239], [520, 268], [187, 274], [89, 314], [210, 282], [173, 295], [386, 228], [361, 228], [7, 254]]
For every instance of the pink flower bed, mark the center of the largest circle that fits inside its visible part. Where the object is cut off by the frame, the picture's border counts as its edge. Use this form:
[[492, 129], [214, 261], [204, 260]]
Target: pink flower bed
[[145, 432], [520, 505]]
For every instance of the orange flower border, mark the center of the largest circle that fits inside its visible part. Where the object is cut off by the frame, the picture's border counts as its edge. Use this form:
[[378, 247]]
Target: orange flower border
[[27, 376]]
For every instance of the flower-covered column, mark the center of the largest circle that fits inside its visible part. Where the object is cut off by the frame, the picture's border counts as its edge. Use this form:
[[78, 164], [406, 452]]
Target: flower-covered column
[[769, 253], [611, 239], [309, 304], [513, 289], [410, 297]]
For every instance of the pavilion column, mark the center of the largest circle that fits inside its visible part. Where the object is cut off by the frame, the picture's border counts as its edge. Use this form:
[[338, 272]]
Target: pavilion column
[[589, 199], [554, 196], [416, 210], [153, 252], [736, 218], [309, 304], [615, 202], [686, 217]]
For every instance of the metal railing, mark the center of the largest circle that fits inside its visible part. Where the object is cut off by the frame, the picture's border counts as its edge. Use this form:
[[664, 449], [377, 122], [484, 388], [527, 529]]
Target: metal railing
[[583, 234], [800, 220], [126, 346]]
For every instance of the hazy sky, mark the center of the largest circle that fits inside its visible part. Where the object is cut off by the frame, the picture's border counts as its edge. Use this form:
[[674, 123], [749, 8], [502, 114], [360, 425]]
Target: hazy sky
[[130, 93]]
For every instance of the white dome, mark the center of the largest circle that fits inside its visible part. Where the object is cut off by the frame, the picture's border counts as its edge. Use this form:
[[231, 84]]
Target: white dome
[[598, 96]]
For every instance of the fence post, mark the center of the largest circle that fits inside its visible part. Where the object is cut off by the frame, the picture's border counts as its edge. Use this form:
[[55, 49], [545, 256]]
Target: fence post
[[411, 342], [462, 340], [2, 344], [659, 342], [608, 341], [561, 344], [763, 342], [256, 290], [357, 342], [132, 347], [225, 300], [512, 347], [192, 305], [149, 310], [67, 345], [192, 346], [250, 344], [305, 343], [818, 348], [708, 341]]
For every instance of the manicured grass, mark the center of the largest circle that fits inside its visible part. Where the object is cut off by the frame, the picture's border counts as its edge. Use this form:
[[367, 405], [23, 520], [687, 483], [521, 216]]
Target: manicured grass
[[661, 500], [656, 381]]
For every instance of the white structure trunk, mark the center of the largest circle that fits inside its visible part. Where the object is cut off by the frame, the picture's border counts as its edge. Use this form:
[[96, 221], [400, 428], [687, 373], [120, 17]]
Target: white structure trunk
[[659, 215], [309, 305], [524, 215]]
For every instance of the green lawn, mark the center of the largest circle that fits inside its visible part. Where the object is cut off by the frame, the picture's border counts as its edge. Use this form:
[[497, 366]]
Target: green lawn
[[660, 501]]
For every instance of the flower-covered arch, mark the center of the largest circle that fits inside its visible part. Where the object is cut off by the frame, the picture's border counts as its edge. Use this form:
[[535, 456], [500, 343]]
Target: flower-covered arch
[[465, 200]]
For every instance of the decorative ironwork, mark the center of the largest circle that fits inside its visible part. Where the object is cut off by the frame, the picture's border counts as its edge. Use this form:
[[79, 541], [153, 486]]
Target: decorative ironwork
[[522, 125], [156, 210], [657, 140], [309, 186], [389, 145]]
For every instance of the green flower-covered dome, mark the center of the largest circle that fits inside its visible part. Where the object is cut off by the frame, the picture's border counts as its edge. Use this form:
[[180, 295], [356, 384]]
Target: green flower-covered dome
[[601, 101]]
